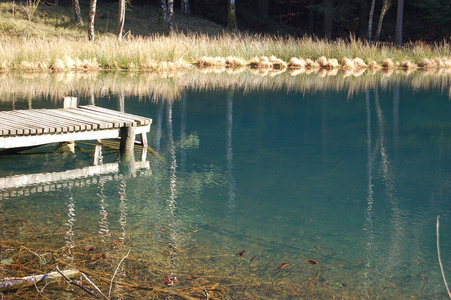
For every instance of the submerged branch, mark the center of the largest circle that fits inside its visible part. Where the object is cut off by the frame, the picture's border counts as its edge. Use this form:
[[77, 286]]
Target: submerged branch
[[439, 256], [115, 271], [73, 282], [8, 284]]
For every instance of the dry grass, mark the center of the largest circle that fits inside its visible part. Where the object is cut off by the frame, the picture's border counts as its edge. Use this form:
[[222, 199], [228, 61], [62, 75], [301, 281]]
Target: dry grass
[[53, 44]]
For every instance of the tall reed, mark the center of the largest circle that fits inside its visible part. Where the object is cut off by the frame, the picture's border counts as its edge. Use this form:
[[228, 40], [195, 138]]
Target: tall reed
[[148, 52]]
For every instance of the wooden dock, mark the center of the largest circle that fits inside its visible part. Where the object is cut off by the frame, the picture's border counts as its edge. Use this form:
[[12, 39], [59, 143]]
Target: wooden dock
[[24, 128]]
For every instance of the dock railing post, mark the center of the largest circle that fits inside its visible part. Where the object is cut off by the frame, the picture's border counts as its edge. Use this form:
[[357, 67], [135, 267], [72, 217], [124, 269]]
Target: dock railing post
[[70, 102]]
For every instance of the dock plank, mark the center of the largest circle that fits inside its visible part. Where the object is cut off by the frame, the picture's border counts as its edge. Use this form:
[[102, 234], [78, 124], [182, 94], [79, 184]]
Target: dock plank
[[17, 123], [139, 120], [32, 120], [41, 119], [41, 126], [113, 123], [105, 116], [62, 118]]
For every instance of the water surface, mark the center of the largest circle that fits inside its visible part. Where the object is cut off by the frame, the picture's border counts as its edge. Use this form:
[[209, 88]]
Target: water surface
[[343, 187]]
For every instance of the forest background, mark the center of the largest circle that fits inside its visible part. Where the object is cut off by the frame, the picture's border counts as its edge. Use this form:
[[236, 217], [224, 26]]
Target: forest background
[[421, 20], [56, 35]]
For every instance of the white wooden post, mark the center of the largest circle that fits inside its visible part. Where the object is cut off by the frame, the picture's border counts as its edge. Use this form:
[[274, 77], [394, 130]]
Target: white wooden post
[[70, 102]]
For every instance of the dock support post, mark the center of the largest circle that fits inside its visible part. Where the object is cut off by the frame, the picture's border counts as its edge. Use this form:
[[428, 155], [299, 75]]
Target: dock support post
[[127, 161], [127, 135], [144, 144]]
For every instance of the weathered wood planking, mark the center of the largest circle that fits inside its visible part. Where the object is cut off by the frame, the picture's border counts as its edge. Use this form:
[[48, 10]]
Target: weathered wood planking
[[20, 128]]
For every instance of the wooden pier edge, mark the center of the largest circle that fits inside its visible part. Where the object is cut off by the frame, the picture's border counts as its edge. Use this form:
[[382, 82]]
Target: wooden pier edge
[[72, 125]]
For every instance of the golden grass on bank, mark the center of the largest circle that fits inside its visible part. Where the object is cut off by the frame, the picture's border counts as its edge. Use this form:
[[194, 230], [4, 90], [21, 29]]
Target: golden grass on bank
[[388, 64], [149, 52], [52, 43]]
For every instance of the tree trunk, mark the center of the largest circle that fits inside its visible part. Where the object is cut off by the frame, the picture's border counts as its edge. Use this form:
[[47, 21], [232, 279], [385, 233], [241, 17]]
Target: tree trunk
[[92, 16], [385, 7], [185, 8], [399, 19], [328, 7], [232, 17], [77, 12], [163, 17], [170, 18], [120, 19], [370, 20]]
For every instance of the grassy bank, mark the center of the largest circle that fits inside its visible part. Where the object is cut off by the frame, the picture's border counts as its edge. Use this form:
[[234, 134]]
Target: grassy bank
[[49, 41]]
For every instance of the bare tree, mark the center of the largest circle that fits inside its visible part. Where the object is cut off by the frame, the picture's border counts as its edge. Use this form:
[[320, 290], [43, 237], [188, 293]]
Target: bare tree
[[170, 18], [163, 12], [232, 17], [399, 20], [385, 7], [77, 12], [370, 20], [92, 16], [185, 8], [120, 19]]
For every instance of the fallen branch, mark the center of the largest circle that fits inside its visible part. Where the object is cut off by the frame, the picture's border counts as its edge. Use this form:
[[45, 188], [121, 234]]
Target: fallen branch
[[439, 256], [93, 285], [8, 284], [117, 268], [76, 283]]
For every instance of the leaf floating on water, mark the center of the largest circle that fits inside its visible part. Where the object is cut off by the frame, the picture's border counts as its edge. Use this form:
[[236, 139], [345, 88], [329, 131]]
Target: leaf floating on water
[[311, 261], [283, 265]]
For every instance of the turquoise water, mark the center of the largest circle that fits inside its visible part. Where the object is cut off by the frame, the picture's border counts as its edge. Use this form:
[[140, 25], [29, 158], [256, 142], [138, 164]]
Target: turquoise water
[[345, 189]]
